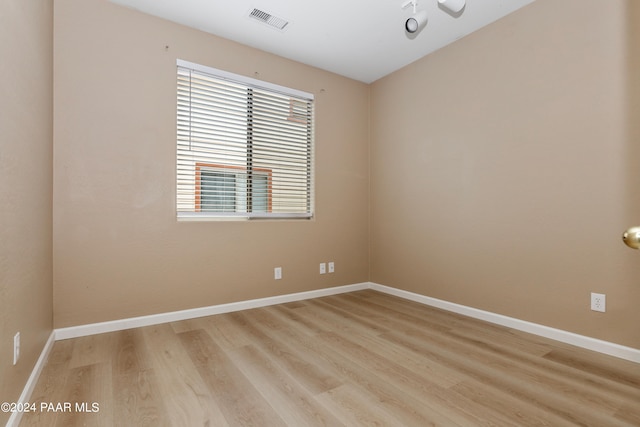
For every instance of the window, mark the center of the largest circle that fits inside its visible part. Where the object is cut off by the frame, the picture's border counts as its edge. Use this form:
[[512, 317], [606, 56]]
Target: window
[[244, 147], [224, 189]]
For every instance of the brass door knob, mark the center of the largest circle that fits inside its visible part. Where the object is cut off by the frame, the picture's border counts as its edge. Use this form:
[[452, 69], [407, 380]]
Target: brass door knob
[[631, 237]]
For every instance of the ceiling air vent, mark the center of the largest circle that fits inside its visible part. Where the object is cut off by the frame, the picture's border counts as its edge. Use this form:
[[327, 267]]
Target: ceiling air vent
[[269, 19]]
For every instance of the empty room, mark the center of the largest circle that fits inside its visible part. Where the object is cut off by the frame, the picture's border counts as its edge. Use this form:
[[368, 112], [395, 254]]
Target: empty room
[[341, 213]]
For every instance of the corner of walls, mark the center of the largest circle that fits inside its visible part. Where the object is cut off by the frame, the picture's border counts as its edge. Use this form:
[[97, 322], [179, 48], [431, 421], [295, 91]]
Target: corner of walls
[[370, 185]]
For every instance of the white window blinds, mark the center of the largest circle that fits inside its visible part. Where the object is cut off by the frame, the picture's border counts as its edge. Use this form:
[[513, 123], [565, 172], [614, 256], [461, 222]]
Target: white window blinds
[[244, 147]]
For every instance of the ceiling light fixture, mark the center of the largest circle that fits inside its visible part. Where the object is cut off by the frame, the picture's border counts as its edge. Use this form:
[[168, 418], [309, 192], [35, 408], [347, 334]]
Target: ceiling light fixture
[[453, 6], [418, 20]]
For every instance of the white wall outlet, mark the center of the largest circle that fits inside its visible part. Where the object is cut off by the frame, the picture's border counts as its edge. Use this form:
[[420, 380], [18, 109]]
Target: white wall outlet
[[277, 273], [323, 268], [332, 267], [598, 302], [16, 348]]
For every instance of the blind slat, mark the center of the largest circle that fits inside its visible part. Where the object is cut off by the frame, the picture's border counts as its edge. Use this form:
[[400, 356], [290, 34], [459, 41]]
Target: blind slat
[[244, 148]]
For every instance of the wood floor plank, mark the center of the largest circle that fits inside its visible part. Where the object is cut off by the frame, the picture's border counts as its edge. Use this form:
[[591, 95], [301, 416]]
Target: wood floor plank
[[629, 414], [310, 372], [501, 402], [84, 385], [188, 325], [547, 395], [129, 353], [185, 396], [601, 396], [573, 388], [436, 373], [92, 349], [295, 404], [238, 399], [337, 318], [227, 333], [364, 310], [357, 408], [445, 319], [408, 408], [606, 391], [610, 368], [356, 359], [298, 317], [411, 383], [137, 401]]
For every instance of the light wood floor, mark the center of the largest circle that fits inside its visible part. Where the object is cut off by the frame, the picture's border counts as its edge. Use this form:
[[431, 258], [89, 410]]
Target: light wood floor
[[363, 358]]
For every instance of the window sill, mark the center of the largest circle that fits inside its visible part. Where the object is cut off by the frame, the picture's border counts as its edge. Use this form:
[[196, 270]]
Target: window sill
[[200, 217]]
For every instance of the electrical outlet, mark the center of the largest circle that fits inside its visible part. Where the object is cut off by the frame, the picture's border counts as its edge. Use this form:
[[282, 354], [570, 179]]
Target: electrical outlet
[[16, 348], [277, 273], [332, 267], [323, 268], [598, 302]]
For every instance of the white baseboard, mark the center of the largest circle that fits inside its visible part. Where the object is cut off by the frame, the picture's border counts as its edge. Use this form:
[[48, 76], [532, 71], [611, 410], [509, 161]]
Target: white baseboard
[[612, 349], [174, 316], [14, 419], [589, 343]]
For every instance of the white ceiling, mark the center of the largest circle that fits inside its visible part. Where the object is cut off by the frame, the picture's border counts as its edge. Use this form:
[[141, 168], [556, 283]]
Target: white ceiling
[[361, 39]]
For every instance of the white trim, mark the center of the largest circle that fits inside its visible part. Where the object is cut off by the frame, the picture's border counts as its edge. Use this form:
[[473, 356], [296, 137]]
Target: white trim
[[606, 347], [233, 216], [14, 419], [174, 316]]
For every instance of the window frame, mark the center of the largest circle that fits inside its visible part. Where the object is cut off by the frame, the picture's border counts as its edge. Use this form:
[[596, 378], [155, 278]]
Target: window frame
[[291, 189]]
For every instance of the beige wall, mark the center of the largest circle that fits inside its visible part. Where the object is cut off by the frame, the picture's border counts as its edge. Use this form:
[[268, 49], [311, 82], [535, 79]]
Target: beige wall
[[118, 249], [504, 169], [25, 188]]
